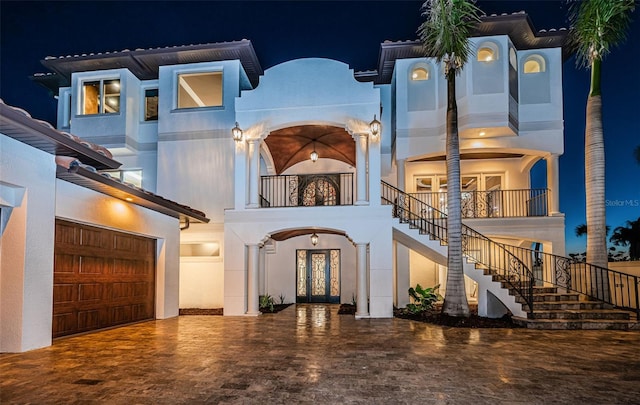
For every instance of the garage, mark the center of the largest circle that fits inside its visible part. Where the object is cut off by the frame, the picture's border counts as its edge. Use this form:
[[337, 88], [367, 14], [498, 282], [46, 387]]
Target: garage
[[102, 278]]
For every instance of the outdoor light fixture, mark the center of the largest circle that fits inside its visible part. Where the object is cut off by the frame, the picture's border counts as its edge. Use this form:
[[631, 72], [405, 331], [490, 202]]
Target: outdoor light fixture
[[314, 239], [236, 132], [375, 126], [314, 158]]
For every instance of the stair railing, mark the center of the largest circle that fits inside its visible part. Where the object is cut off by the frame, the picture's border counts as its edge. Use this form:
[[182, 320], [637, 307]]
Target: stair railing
[[476, 247], [598, 283]]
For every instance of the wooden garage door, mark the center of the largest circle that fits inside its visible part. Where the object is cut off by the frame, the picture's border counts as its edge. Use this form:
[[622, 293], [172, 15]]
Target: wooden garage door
[[101, 278]]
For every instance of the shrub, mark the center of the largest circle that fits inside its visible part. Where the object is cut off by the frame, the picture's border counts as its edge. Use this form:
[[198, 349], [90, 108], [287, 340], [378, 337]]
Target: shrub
[[423, 298]]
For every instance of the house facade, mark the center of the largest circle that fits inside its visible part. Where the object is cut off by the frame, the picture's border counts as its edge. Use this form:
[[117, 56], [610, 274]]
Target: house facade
[[320, 183]]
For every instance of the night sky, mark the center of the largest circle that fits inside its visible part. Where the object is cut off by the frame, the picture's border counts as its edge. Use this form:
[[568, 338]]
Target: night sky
[[349, 31]]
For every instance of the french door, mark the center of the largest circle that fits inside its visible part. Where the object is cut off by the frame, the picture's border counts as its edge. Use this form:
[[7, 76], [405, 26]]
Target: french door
[[318, 275]]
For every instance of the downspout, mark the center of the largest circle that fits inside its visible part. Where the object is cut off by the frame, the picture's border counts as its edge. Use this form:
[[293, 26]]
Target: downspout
[[186, 224]]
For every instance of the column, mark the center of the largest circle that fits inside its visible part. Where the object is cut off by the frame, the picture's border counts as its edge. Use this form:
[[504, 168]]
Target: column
[[254, 172], [553, 184], [253, 280], [362, 307], [240, 176], [361, 169], [263, 274], [401, 174], [402, 276]]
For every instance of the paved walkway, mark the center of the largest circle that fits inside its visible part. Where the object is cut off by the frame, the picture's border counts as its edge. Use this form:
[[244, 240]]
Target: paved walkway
[[309, 354]]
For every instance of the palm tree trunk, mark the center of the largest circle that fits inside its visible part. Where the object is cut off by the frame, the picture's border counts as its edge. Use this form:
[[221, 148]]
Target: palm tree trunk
[[595, 186], [455, 302]]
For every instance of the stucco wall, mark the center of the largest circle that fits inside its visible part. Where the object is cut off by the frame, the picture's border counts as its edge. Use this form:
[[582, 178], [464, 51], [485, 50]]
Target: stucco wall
[[27, 177]]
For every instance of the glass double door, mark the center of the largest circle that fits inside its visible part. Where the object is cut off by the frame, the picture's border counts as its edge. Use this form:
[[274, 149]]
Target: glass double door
[[318, 276]]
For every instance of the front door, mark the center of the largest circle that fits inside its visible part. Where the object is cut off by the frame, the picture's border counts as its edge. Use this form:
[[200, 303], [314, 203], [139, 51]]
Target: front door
[[318, 276]]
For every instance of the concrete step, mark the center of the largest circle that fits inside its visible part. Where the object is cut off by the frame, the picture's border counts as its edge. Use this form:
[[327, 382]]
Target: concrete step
[[536, 290], [544, 297], [564, 324], [580, 314], [567, 305]]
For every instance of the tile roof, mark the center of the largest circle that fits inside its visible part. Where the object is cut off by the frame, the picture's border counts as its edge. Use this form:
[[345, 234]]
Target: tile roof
[[79, 160]]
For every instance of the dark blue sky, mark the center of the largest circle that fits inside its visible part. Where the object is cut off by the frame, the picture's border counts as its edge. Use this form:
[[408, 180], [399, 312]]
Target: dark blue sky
[[349, 31]]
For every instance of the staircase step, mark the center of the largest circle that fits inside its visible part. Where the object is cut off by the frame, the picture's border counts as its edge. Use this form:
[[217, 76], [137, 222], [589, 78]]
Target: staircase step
[[536, 290], [594, 324], [588, 314], [543, 297], [567, 305]]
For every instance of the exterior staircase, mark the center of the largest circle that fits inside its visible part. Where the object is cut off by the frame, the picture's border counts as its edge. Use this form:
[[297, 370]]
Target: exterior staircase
[[542, 291]]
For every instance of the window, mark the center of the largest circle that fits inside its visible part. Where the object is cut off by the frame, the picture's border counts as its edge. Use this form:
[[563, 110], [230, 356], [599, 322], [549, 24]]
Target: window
[[197, 90], [101, 97], [534, 64], [486, 55], [127, 176], [151, 105], [206, 249], [513, 59], [420, 74]]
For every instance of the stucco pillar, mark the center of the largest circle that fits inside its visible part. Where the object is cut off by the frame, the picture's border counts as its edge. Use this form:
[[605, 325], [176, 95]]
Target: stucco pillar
[[254, 173], [240, 176], [401, 174], [361, 169], [401, 279], [253, 280], [263, 274], [373, 170], [553, 184], [362, 308]]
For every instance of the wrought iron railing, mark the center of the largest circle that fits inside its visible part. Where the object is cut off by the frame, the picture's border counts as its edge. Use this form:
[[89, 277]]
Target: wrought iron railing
[[612, 287], [306, 190], [493, 204], [477, 247]]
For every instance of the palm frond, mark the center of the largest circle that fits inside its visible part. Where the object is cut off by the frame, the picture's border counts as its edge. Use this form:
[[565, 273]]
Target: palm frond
[[444, 33], [597, 26]]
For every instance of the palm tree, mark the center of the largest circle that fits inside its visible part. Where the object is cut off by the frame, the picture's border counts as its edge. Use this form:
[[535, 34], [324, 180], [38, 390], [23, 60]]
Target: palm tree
[[444, 35], [581, 230], [596, 27], [628, 235]]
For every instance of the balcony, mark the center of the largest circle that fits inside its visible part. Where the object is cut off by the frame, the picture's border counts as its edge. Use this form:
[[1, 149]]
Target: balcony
[[493, 204], [306, 190]]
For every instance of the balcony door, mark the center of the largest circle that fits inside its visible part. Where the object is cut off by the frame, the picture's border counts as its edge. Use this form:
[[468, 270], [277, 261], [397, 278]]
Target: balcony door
[[318, 276]]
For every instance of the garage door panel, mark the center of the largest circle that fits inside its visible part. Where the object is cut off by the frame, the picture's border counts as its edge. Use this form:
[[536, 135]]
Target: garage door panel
[[94, 237], [95, 265], [66, 263], [64, 323], [66, 234], [89, 320], [64, 293], [96, 287], [88, 292]]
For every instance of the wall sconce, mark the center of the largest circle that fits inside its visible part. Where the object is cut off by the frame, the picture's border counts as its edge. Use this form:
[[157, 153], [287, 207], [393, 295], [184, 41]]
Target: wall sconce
[[236, 132], [375, 126], [314, 155], [314, 239]]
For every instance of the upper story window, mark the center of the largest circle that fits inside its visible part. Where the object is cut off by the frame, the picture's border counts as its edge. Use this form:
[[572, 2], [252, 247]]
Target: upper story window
[[513, 60], [151, 105], [133, 176], [420, 73], [101, 97], [197, 90], [487, 52], [534, 64]]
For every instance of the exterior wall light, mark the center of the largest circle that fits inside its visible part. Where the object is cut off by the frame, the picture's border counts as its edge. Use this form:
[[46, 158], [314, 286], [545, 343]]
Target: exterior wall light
[[314, 156], [375, 126], [314, 239], [236, 132]]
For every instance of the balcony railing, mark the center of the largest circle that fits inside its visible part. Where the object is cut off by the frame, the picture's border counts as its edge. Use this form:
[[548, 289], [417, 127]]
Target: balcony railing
[[492, 204], [306, 190]]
